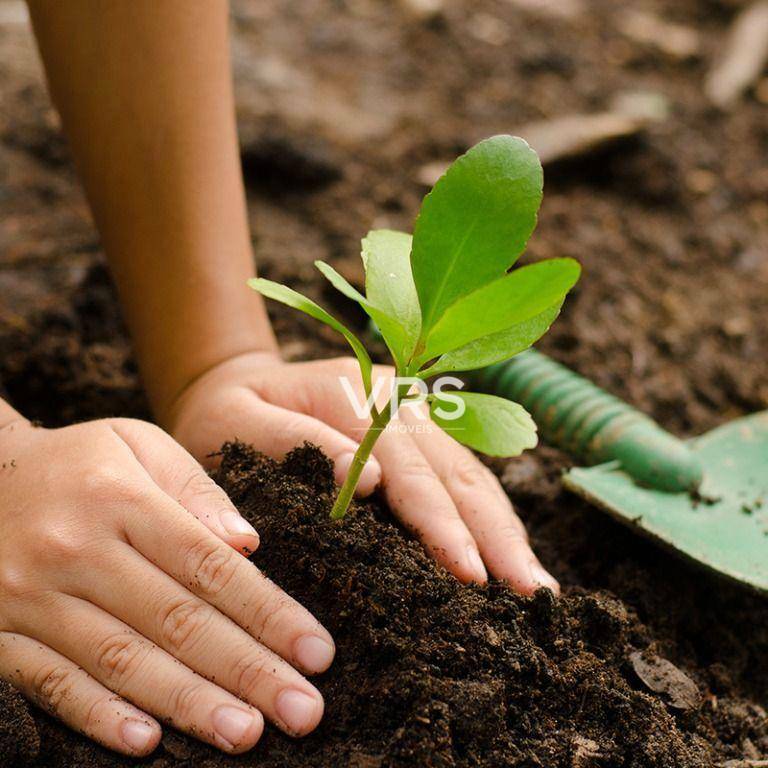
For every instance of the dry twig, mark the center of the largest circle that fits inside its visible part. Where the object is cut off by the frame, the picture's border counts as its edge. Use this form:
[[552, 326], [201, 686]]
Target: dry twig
[[744, 57]]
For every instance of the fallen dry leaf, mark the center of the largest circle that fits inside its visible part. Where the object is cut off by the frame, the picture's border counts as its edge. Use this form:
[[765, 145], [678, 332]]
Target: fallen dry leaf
[[561, 138], [675, 40], [663, 677]]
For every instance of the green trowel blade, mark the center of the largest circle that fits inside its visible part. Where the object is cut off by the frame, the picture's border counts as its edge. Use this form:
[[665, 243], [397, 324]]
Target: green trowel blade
[[725, 527]]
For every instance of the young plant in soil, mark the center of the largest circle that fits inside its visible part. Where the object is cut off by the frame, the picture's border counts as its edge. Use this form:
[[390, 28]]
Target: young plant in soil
[[444, 299]]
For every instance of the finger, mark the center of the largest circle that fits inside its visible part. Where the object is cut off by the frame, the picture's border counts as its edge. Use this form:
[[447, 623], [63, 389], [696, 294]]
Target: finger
[[137, 670], [418, 497], [178, 474], [67, 692], [484, 507], [186, 551], [413, 491], [204, 640], [415, 494], [275, 431]]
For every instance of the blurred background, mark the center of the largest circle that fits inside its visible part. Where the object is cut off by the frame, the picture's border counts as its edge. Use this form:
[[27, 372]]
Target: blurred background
[[651, 117]]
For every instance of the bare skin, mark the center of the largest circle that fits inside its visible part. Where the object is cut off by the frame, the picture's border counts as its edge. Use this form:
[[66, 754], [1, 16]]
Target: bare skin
[[120, 561], [120, 558]]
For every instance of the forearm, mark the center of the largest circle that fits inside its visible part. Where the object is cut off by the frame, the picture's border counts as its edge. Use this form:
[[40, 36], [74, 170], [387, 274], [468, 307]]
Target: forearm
[[145, 93]]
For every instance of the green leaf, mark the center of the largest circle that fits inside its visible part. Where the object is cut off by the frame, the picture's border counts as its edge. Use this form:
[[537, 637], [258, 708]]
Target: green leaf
[[475, 222], [391, 329], [518, 296], [489, 424], [340, 283], [496, 347], [389, 283], [286, 295]]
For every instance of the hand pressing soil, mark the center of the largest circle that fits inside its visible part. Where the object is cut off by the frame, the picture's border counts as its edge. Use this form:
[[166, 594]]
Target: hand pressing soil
[[432, 673]]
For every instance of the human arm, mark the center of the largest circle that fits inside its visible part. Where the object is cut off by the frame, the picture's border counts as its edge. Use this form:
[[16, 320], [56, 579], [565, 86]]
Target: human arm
[[124, 593], [159, 159], [145, 94]]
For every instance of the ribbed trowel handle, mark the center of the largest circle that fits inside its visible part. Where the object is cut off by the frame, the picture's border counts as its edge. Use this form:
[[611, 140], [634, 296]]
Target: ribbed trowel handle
[[582, 419]]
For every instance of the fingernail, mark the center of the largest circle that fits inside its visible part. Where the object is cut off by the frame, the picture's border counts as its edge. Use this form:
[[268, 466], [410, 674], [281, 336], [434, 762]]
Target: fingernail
[[476, 565], [232, 724], [542, 578], [297, 710], [235, 525], [137, 735], [313, 653]]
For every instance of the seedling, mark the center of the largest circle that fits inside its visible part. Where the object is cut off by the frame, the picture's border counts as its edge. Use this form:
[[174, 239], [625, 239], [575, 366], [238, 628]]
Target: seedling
[[445, 300]]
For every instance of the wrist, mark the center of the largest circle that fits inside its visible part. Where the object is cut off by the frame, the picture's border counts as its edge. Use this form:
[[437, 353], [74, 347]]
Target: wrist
[[197, 337], [232, 367]]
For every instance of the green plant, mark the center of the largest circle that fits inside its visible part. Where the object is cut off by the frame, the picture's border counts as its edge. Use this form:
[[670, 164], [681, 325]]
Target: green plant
[[444, 299]]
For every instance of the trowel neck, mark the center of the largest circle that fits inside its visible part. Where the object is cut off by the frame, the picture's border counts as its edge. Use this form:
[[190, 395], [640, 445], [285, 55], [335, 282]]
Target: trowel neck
[[575, 415]]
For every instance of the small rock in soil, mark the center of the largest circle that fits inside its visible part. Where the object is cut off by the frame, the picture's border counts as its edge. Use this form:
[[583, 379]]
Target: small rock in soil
[[424, 10], [488, 29]]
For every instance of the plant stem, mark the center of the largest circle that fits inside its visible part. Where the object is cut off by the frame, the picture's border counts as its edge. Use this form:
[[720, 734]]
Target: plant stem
[[380, 420], [347, 491]]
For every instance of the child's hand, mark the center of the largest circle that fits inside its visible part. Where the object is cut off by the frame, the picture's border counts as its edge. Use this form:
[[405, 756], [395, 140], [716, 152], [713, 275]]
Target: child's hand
[[123, 593], [437, 487]]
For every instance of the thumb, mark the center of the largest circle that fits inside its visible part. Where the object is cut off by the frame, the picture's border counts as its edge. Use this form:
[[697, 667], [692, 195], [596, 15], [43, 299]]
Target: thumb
[[275, 431]]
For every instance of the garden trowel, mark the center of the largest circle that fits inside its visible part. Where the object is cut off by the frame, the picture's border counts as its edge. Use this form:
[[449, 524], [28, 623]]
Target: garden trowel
[[706, 498]]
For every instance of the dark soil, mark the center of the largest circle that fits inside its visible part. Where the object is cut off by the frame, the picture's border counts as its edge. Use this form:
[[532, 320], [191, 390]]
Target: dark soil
[[340, 104], [431, 673]]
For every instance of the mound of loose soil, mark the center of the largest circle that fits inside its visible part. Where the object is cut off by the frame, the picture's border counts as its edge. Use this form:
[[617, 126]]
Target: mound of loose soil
[[431, 673]]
